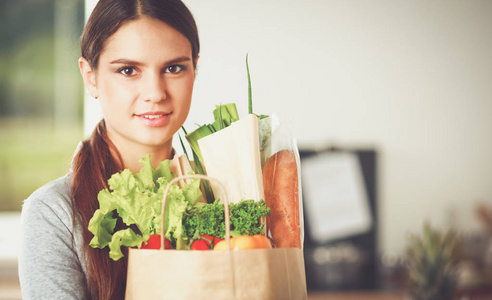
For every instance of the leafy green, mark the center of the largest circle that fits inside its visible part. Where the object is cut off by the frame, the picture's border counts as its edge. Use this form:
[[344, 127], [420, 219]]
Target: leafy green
[[210, 219], [102, 226], [130, 211], [135, 201], [224, 116], [246, 215], [245, 218], [125, 237]]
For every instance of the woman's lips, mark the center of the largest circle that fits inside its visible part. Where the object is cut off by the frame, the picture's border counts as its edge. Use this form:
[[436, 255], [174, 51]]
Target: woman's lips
[[154, 119]]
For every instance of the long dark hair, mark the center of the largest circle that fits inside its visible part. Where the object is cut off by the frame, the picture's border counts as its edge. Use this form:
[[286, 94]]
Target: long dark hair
[[98, 157]]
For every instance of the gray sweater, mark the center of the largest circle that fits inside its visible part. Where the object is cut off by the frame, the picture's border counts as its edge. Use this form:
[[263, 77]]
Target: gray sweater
[[50, 265]]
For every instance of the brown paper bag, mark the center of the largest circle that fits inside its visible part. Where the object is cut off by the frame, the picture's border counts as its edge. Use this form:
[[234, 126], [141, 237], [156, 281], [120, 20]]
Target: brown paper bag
[[243, 274]]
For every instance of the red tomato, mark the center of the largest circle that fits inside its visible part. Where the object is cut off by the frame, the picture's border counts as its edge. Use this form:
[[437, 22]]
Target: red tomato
[[200, 245], [206, 242], [207, 238], [154, 242]]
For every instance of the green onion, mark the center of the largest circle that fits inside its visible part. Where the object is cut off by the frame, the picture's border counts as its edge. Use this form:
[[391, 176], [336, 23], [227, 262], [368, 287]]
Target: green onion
[[250, 97], [182, 145]]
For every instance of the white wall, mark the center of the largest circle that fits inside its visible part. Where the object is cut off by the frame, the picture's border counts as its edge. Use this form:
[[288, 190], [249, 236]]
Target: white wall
[[410, 78]]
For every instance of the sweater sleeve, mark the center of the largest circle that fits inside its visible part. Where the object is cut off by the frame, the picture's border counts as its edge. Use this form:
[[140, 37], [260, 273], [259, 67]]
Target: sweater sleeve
[[49, 267]]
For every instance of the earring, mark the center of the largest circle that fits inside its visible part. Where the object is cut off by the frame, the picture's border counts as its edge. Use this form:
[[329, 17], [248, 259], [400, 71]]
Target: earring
[[96, 97]]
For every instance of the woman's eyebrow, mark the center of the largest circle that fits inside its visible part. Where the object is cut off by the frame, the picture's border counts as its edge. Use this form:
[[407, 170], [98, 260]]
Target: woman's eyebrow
[[178, 60], [126, 61]]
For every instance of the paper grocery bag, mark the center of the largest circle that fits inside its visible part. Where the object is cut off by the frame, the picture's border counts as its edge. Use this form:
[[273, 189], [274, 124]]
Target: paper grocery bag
[[244, 274], [192, 274]]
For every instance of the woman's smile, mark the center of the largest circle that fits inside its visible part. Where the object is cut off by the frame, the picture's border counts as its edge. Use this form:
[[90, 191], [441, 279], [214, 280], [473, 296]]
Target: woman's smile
[[154, 119]]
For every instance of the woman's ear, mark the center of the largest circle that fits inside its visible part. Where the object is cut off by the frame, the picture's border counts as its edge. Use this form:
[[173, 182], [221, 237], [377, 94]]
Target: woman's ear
[[196, 63], [89, 77]]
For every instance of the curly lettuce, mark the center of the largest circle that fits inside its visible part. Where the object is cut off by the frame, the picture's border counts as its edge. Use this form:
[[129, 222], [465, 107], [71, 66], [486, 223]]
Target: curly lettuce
[[134, 201]]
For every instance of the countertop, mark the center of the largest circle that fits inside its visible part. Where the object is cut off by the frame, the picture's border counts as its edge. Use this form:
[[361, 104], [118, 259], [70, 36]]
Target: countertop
[[357, 296]]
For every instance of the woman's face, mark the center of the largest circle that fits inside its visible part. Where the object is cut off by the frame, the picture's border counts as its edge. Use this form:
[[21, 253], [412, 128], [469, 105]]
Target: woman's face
[[144, 82]]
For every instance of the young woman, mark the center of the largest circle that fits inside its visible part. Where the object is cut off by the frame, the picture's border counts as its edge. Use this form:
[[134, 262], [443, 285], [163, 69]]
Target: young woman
[[138, 60]]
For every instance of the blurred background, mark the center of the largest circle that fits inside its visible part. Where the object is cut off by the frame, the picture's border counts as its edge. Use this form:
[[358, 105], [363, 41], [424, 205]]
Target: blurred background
[[393, 98], [41, 109]]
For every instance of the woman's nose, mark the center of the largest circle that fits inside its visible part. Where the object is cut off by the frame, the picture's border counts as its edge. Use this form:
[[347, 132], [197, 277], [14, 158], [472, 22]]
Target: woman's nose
[[154, 88]]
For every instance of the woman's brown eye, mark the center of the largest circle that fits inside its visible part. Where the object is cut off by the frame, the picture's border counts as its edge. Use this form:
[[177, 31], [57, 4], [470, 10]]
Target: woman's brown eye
[[127, 71], [174, 69]]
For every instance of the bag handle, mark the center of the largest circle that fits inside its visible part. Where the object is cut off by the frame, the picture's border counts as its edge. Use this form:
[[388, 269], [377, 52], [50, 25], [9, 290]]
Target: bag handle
[[224, 199]]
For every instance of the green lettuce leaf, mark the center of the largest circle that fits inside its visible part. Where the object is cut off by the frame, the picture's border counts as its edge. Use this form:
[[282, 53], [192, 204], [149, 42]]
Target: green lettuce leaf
[[125, 237], [102, 225], [134, 201], [179, 203], [146, 174]]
